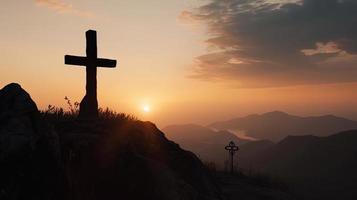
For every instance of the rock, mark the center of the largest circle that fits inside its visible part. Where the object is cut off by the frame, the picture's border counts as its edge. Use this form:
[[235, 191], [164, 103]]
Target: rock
[[29, 150]]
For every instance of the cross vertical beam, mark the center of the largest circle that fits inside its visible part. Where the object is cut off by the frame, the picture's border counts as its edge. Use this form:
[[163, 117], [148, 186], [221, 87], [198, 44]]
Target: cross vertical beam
[[89, 104]]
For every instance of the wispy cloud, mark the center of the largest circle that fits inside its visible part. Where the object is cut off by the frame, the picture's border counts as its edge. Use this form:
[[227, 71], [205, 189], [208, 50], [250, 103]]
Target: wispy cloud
[[60, 6], [321, 48]]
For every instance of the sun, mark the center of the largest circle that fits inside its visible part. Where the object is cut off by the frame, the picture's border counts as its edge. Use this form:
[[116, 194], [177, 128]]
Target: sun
[[146, 108]]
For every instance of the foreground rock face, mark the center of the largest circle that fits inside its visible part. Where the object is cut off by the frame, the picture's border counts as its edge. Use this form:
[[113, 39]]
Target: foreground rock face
[[105, 159], [29, 151]]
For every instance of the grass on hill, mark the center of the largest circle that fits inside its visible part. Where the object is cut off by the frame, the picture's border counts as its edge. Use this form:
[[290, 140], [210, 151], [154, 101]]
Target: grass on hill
[[54, 114]]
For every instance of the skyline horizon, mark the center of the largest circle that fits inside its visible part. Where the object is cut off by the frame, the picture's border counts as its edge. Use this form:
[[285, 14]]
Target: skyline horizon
[[65, 107]]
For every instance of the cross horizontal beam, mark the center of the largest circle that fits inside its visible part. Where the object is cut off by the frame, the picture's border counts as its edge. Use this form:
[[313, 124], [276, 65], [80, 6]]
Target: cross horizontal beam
[[83, 61], [232, 148]]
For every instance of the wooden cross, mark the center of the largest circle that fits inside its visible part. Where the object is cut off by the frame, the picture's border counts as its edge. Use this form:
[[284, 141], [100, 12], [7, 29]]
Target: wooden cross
[[232, 148], [89, 105]]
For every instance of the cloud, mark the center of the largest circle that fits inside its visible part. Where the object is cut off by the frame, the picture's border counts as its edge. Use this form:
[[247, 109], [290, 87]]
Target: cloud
[[62, 7], [321, 48], [271, 43]]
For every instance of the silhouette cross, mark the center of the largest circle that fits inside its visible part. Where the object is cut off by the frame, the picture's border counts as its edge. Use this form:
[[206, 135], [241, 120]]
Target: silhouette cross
[[89, 105], [231, 148]]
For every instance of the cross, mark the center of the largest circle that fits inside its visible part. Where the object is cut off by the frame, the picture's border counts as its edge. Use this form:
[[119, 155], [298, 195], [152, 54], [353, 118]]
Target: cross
[[89, 105], [231, 148]]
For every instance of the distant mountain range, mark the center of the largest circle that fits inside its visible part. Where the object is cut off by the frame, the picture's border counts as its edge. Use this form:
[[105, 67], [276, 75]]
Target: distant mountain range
[[306, 152], [317, 167], [277, 125], [208, 142]]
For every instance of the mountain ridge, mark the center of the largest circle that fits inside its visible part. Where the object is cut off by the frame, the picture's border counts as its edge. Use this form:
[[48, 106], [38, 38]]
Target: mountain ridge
[[276, 125]]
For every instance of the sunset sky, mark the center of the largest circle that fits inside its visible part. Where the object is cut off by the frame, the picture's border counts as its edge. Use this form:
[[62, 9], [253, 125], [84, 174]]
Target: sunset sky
[[188, 61]]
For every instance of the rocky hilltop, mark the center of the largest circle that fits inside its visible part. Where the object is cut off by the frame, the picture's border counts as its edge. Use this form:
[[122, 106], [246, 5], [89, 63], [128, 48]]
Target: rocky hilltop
[[106, 159]]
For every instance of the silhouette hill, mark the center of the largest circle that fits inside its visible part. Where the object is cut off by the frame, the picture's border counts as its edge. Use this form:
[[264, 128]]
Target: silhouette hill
[[53, 156], [277, 125], [317, 167]]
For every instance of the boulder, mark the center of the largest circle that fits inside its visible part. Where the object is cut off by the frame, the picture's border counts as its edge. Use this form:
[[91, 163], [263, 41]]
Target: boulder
[[29, 150]]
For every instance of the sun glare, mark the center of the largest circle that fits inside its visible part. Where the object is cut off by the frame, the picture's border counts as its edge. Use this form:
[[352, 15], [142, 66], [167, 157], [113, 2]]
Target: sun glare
[[146, 108]]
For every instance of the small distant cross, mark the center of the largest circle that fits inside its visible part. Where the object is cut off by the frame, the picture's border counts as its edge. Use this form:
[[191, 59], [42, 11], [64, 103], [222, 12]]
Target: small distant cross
[[89, 104], [232, 148]]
